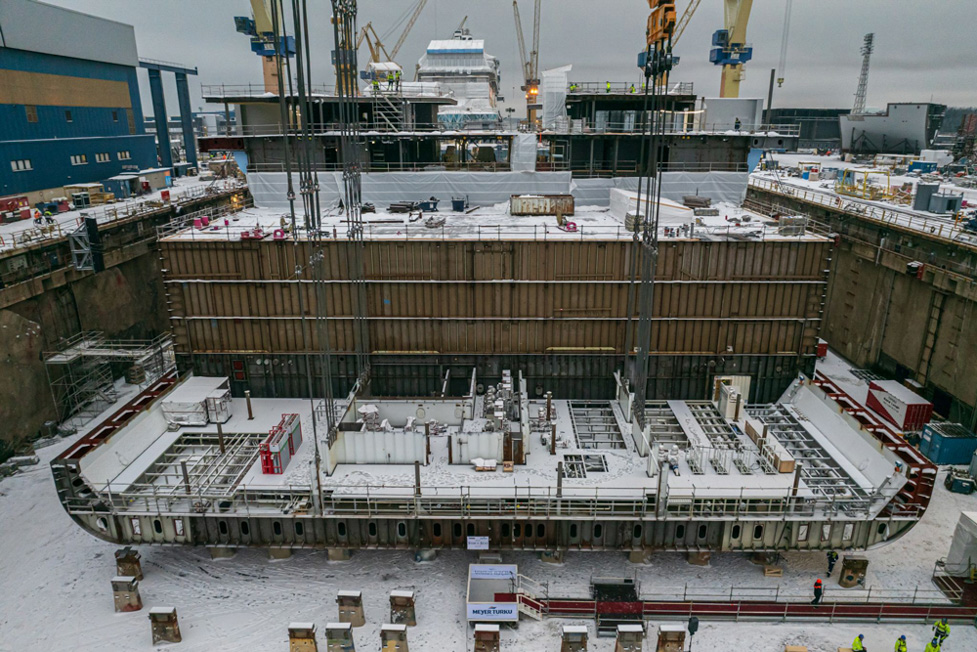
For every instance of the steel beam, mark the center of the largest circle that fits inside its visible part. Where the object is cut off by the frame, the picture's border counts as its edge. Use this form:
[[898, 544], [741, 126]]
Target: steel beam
[[159, 116], [186, 117]]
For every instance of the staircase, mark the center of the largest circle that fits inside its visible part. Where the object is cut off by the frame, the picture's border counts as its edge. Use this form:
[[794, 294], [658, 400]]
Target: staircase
[[388, 115], [531, 598]]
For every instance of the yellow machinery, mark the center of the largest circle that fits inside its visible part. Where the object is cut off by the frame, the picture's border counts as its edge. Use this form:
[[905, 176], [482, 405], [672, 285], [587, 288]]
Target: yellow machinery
[[729, 44], [382, 64], [731, 51], [261, 29], [859, 183], [683, 22]]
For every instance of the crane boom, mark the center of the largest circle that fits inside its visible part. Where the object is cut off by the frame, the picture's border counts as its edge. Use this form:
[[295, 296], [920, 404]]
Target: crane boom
[[683, 22], [524, 58], [410, 26], [374, 44], [534, 55], [782, 67]]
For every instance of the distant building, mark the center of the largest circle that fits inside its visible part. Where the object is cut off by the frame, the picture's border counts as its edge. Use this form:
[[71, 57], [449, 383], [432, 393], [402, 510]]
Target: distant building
[[70, 110], [819, 128], [903, 128], [205, 123]]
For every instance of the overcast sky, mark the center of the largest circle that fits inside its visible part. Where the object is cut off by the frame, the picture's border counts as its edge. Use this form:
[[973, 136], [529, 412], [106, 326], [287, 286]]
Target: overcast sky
[[925, 49]]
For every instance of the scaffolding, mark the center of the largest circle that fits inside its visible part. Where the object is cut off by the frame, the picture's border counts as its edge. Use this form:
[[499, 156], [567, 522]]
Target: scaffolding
[[82, 371]]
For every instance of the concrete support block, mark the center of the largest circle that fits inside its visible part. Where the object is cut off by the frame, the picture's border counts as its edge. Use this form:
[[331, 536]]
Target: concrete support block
[[551, 556], [338, 554], [425, 554], [279, 553], [699, 558], [222, 553], [638, 557]]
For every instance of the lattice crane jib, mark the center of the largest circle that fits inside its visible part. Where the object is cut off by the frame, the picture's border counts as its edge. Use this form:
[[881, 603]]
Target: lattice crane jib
[[861, 93]]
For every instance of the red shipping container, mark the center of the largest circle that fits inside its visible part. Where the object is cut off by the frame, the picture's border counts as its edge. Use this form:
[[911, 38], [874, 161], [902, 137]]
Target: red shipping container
[[899, 405], [13, 204], [165, 195], [822, 348]]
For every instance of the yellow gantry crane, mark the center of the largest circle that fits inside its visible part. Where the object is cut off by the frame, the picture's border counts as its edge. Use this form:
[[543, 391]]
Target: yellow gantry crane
[[260, 27], [730, 50], [729, 44]]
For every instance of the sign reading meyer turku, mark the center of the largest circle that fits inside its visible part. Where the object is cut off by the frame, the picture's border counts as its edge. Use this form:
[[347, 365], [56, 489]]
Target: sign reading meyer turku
[[492, 591]]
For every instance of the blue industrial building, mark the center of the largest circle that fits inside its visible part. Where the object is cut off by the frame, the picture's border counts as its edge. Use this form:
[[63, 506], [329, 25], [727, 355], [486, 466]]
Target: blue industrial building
[[70, 110]]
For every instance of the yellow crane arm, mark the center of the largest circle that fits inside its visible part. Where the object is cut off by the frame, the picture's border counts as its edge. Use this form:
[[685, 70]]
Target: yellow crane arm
[[683, 22], [410, 26]]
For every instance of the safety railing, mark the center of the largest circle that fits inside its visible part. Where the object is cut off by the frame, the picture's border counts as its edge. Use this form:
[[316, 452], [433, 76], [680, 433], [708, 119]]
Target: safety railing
[[109, 213], [258, 91], [790, 594], [942, 229], [625, 88], [635, 126], [387, 166]]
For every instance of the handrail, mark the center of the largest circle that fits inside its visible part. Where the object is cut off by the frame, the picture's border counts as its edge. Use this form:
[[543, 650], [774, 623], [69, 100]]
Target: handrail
[[932, 227], [114, 212], [494, 128]]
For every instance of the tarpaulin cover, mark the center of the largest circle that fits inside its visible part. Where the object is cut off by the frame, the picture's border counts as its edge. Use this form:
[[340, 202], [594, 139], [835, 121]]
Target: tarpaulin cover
[[486, 188], [385, 188], [963, 547], [523, 154], [554, 96]]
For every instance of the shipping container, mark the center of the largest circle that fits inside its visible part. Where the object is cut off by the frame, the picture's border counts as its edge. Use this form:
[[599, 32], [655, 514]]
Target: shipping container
[[898, 404], [541, 204], [948, 443], [822, 348], [13, 204]]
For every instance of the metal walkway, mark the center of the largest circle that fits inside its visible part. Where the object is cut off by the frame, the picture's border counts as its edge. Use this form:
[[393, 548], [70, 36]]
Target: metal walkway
[[746, 610]]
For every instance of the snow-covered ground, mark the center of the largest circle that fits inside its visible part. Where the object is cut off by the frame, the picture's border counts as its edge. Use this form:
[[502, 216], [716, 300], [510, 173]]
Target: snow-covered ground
[[56, 594]]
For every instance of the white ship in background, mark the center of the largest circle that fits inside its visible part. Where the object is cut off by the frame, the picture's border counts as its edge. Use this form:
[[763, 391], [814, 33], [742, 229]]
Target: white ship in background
[[470, 76]]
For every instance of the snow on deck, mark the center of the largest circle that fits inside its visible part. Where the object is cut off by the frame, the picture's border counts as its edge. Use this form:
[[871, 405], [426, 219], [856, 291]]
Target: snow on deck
[[488, 223]]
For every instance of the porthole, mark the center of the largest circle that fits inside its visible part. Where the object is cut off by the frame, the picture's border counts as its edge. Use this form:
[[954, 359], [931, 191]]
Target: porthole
[[456, 529], [276, 527], [880, 529], [636, 532], [470, 529], [341, 529], [506, 530], [372, 529], [540, 531], [702, 531], [757, 531], [222, 527], [245, 528], [737, 531], [598, 531], [573, 531], [436, 530], [401, 529], [299, 528], [157, 526], [680, 531], [102, 524], [517, 530]]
